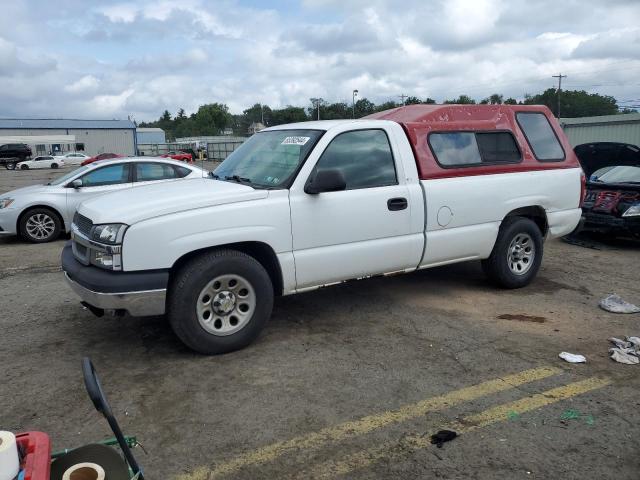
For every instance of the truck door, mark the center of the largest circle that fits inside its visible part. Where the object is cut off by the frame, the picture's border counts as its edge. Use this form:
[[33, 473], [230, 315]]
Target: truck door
[[363, 230]]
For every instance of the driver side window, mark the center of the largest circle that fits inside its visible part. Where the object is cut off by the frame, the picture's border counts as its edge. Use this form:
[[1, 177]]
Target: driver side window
[[363, 156], [110, 175]]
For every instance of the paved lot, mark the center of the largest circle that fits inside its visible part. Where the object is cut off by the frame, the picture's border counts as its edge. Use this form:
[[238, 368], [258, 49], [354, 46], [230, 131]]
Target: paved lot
[[348, 381]]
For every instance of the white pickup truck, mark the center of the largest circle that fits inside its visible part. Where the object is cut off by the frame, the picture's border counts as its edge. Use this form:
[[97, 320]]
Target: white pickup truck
[[306, 205]]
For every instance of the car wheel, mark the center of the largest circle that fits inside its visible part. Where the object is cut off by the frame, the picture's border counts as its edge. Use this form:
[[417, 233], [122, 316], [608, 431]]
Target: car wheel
[[220, 301], [40, 225], [24, 167], [516, 255], [10, 166], [54, 165]]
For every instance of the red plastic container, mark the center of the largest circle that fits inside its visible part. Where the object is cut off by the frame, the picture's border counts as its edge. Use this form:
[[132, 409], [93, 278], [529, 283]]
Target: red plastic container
[[37, 450]]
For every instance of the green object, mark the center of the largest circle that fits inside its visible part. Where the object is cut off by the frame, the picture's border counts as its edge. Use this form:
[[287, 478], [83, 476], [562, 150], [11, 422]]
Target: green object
[[570, 415], [589, 419], [513, 415], [131, 442]]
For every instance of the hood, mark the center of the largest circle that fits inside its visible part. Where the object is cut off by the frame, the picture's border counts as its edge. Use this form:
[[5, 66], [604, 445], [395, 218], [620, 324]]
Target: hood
[[26, 190], [142, 203], [593, 156]]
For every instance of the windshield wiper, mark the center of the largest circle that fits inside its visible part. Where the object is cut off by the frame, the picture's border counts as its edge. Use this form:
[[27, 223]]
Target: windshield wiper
[[214, 176], [239, 179]]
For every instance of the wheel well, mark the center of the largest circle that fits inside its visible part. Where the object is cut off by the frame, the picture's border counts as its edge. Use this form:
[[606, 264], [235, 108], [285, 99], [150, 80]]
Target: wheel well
[[262, 252], [535, 213], [48, 207]]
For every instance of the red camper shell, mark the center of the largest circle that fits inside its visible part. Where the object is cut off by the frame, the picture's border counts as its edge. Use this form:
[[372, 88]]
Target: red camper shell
[[535, 130]]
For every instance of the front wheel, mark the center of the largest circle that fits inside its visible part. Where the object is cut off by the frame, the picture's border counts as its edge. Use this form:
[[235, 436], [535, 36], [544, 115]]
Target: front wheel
[[54, 165], [517, 254], [24, 167], [220, 301], [40, 225]]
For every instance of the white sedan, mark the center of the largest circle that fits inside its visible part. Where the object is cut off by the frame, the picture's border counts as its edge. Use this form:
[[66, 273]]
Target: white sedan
[[41, 212], [44, 161], [73, 158]]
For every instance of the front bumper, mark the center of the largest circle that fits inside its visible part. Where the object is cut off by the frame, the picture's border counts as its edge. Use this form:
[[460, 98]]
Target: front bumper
[[606, 222], [8, 221], [139, 293]]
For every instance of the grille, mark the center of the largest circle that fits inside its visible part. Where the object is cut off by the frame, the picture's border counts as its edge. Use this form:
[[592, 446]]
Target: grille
[[83, 223]]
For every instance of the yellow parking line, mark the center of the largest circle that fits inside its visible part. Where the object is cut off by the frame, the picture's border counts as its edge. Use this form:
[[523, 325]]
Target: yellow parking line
[[391, 451], [371, 422]]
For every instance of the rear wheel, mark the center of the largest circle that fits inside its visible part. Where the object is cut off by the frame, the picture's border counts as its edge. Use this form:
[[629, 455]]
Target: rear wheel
[[40, 225], [517, 254], [220, 301], [10, 165]]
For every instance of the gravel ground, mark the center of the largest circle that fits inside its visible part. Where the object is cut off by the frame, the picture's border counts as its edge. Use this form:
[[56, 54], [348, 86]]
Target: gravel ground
[[358, 353]]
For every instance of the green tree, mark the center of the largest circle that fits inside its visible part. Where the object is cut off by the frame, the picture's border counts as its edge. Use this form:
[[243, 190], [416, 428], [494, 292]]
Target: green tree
[[386, 106], [462, 100], [510, 101], [364, 107], [289, 114], [211, 119], [574, 103]]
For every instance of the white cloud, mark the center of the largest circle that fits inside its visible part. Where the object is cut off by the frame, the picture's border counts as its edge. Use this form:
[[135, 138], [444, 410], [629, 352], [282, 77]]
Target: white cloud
[[140, 58]]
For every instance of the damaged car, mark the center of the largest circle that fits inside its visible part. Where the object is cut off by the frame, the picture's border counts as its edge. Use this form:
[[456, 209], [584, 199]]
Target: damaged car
[[612, 199]]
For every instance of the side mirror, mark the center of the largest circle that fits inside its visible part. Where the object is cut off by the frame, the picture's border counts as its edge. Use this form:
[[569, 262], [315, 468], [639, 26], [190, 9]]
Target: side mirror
[[77, 183], [331, 180]]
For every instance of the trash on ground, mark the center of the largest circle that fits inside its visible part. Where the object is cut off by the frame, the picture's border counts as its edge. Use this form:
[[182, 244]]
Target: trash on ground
[[615, 304], [625, 351], [573, 357], [576, 415], [442, 436]]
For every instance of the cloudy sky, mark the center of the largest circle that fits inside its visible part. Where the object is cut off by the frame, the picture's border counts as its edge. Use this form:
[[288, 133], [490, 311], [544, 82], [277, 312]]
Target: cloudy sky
[[101, 59]]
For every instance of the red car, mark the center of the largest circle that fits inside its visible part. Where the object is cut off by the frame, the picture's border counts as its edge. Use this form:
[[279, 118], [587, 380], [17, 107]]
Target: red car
[[101, 156], [182, 156]]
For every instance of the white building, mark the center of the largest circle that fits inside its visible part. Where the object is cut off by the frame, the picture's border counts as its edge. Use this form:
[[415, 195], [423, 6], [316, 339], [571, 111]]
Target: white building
[[62, 135]]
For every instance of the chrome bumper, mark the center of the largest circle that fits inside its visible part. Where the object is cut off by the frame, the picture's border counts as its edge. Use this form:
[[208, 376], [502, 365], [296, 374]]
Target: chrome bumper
[[138, 304]]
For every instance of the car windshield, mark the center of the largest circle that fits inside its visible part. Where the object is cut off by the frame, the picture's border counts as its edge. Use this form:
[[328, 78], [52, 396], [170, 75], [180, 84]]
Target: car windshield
[[617, 174], [64, 178], [268, 159]]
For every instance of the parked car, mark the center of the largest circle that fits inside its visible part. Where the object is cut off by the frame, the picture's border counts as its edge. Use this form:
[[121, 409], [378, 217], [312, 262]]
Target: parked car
[[101, 156], [301, 206], [43, 161], [182, 156], [73, 158], [612, 202], [40, 212], [12, 153]]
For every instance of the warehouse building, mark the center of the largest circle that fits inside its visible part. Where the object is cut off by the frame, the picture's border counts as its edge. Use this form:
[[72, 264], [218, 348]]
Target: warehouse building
[[150, 135], [623, 128], [62, 135]]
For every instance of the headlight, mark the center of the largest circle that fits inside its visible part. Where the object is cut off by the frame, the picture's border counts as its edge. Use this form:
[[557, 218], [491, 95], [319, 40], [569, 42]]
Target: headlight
[[109, 233], [5, 202], [632, 211]]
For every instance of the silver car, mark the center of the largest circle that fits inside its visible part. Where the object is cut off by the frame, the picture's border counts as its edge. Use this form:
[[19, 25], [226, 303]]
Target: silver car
[[39, 213]]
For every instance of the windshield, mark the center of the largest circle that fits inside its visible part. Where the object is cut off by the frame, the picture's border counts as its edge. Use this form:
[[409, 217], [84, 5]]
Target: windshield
[[268, 159], [617, 174], [66, 177]]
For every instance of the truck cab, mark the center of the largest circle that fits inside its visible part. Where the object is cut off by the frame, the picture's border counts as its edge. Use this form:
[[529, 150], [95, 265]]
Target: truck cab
[[312, 204]]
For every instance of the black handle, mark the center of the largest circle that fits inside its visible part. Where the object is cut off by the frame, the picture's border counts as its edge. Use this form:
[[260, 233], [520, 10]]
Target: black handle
[[395, 204], [94, 389]]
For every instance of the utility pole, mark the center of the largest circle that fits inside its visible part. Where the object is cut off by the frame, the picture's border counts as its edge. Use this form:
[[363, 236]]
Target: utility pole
[[262, 113], [559, 77], [403, 97], [353, 103]]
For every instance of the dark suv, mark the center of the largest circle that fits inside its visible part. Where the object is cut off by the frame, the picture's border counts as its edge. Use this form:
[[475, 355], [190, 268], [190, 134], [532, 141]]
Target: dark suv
[[12, 153]]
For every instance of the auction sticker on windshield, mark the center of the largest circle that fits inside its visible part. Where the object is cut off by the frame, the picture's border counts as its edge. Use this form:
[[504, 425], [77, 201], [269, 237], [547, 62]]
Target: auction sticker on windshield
[[295, 140]]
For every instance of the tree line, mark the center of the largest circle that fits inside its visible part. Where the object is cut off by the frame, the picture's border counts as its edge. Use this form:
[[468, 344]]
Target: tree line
[[215, 118]]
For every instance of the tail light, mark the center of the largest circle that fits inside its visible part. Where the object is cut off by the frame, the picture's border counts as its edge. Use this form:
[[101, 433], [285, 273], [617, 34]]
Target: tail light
[[583, 188]]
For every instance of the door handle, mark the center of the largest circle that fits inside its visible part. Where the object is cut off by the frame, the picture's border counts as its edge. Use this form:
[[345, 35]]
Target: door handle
[[395, 204]]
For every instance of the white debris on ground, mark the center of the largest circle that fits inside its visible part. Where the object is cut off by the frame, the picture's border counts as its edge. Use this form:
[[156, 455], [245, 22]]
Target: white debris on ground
[[625, 351], [573, 357], [615, 304]]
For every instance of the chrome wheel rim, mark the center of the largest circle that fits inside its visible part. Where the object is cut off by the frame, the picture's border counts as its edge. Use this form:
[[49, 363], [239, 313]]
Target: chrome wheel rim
[[40, 226], [521, 253], [226, 304]]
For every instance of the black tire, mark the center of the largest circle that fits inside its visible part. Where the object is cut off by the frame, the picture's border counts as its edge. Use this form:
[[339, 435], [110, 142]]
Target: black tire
[[24, 167], [10, 165], [44, 213], [54, 165], [187, 285], [498, 267]]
